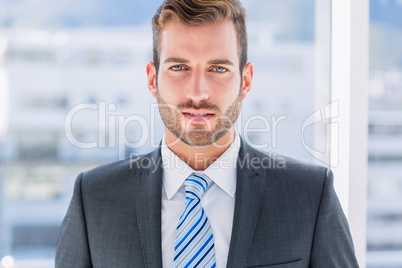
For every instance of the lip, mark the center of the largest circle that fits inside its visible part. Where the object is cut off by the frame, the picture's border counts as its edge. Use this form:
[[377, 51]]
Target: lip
[[197, 111], [198, 119]]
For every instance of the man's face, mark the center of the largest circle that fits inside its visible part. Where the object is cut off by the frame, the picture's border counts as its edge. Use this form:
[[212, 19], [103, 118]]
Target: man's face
[[199, 87]]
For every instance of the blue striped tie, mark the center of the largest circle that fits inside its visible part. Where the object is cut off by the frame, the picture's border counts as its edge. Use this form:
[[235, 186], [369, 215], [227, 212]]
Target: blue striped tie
[[194, 245]]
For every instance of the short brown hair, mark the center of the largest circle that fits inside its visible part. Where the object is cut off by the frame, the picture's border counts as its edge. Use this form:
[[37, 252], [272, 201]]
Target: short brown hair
[[201, 12]]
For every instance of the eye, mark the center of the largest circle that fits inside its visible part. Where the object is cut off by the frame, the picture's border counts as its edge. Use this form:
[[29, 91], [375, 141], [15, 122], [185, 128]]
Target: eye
[[177, 67], [219, 69]]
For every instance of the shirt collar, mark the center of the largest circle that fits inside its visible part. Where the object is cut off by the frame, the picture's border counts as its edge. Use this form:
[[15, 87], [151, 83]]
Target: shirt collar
[[222, 171]]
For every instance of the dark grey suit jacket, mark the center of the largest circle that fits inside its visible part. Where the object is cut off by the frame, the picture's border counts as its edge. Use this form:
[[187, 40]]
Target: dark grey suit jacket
[[285, 216]]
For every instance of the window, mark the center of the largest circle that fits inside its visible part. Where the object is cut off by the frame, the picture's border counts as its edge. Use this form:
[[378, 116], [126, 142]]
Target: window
[[384, 223], [34, 145]]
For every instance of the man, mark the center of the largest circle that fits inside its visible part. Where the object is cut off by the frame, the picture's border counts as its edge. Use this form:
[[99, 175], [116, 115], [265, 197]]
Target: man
[[204, 198]]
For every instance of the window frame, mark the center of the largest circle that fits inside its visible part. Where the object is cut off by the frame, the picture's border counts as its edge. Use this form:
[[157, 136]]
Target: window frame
[[349, 85]]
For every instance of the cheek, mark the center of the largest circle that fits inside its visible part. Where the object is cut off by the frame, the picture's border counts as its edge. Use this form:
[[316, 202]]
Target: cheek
[[170, 89], [226, 91], [170, 79]]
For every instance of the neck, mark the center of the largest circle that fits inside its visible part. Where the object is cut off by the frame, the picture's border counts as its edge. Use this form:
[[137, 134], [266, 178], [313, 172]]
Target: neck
[[199, 158]]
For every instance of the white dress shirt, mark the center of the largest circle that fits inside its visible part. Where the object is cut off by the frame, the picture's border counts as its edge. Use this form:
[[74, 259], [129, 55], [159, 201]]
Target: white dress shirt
[[218, 201]]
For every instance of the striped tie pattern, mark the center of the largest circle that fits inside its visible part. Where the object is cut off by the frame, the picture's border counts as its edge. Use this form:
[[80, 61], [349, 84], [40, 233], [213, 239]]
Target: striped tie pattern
[[194, 245]]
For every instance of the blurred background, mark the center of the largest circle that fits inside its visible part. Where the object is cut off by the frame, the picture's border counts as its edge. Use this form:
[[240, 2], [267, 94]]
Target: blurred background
[[73, 95]]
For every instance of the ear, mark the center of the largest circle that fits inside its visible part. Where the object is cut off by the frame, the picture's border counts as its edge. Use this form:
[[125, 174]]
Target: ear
[[151, 74], [248, 72]]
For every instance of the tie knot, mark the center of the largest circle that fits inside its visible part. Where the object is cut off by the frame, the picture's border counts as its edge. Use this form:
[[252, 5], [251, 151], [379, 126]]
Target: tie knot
[[196, 185]]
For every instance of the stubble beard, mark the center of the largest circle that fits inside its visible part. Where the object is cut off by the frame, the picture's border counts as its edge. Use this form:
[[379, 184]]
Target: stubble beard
[[199, 134]]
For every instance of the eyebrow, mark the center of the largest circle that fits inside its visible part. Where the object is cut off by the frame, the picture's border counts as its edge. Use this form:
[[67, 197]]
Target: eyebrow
[[219, 62], [177, 60], [215, 62]]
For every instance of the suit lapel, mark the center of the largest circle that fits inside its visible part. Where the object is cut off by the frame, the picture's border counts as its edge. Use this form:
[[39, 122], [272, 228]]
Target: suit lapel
[[148, 207], [249, 193]]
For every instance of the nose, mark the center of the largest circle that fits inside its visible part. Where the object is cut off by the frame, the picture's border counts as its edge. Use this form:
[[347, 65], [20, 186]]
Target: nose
[[198, 88]]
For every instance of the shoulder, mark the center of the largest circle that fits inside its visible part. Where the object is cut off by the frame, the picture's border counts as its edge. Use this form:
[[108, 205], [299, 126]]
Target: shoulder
[[122, 171], [294, 182], [282, 170], [298, 167], [281, 163]]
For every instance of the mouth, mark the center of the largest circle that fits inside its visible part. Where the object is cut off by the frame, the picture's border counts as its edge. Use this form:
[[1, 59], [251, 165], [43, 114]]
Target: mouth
[[198, 117]]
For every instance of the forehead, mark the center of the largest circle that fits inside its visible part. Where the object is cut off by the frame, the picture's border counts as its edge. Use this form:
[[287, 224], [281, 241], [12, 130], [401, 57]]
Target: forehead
[[207, 42]]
